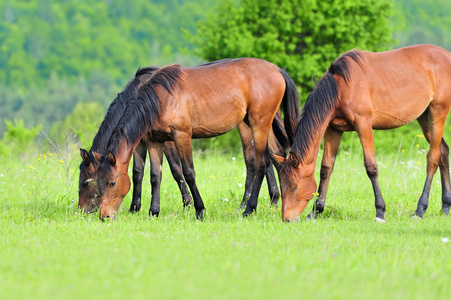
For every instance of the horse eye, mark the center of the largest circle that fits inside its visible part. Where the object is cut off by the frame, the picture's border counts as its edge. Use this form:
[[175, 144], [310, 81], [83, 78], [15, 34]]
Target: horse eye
[[85, 184], [112, 184]]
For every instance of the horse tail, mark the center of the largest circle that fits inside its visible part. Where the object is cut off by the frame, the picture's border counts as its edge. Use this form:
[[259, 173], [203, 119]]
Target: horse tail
[[290, 107], [281, 137]]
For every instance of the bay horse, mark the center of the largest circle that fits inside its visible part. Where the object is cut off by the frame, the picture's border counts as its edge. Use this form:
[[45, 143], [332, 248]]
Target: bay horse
[[363, 91], [180, 104], [88, 192]]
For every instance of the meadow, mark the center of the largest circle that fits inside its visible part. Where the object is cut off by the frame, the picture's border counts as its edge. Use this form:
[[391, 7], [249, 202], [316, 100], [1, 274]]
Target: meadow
[[49, 250]]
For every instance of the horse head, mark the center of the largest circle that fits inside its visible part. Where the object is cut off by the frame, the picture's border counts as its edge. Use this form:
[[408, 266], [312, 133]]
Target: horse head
[[114, 184], [298, 187]]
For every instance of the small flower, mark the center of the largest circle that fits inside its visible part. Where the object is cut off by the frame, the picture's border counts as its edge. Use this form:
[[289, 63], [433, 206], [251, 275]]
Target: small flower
[[61, 161], [240, 185], [233, 158], [225, 199], [402, 150], [31, 167], [50, 154], [212, 177], [445, 240], [418, 145]]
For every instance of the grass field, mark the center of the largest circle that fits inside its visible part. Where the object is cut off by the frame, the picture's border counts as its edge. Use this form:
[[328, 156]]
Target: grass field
[[48, 250]]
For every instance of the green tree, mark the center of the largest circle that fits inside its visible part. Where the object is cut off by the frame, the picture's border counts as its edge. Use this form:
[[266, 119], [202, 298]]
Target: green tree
[[303, 36]]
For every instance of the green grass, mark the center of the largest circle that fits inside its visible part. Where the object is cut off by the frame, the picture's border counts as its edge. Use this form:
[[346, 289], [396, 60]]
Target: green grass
[[50, 251]]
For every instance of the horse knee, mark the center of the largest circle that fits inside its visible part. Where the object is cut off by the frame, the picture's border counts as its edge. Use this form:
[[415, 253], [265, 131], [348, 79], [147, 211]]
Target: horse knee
[[371, 171]]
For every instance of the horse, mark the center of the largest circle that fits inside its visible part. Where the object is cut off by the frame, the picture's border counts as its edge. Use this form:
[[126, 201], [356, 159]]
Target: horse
[[180, 104], [362, 91], [88, 192]]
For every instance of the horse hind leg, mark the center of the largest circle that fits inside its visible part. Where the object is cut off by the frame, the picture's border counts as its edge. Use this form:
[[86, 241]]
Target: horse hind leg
[[444, 171], [170, 151]]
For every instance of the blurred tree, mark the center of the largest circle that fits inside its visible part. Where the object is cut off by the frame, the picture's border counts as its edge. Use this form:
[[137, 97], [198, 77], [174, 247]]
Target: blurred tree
[[303, 36]]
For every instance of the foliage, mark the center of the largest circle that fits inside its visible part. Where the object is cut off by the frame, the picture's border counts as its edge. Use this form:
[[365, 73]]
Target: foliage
[[83, 121], [18, 139], [77, 38], [302, 36], [422, 22]]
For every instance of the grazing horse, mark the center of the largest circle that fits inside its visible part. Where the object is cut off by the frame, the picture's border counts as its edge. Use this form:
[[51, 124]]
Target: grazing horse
[[180, 104], [363, 91], [88, 192]]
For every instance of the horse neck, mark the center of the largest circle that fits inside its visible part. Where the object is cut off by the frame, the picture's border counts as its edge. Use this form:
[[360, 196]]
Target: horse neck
[[125, 152], [308, 161]]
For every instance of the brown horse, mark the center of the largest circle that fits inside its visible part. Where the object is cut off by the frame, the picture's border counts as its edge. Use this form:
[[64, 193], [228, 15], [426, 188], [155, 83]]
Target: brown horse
[[363, 91], [183, 103], [88, 193]]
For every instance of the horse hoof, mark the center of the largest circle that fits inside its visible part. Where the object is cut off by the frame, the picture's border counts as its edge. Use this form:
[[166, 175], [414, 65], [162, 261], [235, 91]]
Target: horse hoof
[[247, 213], [200, 215], [416, 217], [379, 220]]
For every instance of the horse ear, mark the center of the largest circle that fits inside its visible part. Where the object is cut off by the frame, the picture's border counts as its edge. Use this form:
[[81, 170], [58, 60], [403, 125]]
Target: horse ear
[[278, 159], [97, 156], [85, 156], [111, 158], [294, 160]]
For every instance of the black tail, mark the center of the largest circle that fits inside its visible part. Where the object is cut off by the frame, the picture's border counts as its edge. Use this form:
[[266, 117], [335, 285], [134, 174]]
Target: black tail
[[282, 142], [290, 107]]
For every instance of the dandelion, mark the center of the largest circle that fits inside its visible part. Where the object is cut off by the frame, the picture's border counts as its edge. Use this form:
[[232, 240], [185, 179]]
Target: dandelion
[[402, 150], [39, 159], [31, 167], [418, 145], [50, 154], [212, 177], [71, 170], [61, 161]]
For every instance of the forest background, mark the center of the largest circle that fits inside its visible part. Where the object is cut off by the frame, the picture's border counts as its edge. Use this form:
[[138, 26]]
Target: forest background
[[63, 62]]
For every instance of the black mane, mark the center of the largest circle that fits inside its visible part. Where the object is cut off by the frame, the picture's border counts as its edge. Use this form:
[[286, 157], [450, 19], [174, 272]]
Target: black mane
[[116, 109], [321, 102], [143, 110]]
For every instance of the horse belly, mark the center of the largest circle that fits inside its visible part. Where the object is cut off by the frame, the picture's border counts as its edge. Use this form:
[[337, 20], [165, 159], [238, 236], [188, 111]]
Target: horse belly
[[399, 113]]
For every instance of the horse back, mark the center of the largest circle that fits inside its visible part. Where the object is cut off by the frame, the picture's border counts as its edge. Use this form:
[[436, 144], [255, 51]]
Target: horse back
[[214, 98], [395, 87]]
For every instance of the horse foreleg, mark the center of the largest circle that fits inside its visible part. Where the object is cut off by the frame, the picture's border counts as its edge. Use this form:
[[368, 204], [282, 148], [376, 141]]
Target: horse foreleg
[[332, 139], [364, 129], [184, 147], [139, 162], [156, 158], [248, 154], [170, 151], [443, 165]]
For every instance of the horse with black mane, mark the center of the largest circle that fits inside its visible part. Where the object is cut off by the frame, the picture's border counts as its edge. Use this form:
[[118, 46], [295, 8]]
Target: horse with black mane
[[88, 192], [363, 91], [179, 104]]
